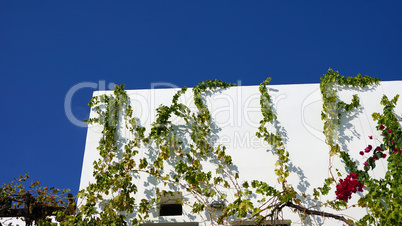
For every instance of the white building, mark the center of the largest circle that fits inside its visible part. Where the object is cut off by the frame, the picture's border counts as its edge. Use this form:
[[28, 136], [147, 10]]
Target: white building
[[236, 113]]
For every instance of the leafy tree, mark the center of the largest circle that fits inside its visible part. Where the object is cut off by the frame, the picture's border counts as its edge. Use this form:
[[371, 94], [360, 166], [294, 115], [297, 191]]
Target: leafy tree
[[33, 202]]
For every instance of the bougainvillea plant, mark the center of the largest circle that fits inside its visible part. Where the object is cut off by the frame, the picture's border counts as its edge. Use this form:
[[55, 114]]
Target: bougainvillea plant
[[347, 186], [380, 196]]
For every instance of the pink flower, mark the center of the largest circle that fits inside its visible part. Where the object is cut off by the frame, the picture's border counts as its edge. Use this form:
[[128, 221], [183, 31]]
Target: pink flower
[[361, 153], [392, 142], [375, 157], [365, 163], [379, 149], [346, 187], [394, 150], [382, 127], [384, 155], [389, 131], [354, 175], [368, 148], [370, 137]]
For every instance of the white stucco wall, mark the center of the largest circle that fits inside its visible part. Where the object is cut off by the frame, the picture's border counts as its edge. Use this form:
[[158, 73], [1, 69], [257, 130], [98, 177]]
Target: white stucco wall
[[236, 113], [17, 221], [12, 220]]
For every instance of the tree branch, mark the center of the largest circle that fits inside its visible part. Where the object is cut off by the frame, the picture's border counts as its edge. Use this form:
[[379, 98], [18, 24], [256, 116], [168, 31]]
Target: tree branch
[[318, 213], [275, 210]]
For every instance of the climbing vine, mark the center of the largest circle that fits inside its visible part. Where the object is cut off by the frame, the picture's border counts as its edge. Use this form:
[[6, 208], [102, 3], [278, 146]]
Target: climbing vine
[[111, 198], [332, 112]]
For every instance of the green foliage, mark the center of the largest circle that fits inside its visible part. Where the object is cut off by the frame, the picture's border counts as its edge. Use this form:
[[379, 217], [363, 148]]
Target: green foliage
[[273, 139], [333, 108], [383, 197], [36, 199], [112, 176], [332, 112], [111, 197]]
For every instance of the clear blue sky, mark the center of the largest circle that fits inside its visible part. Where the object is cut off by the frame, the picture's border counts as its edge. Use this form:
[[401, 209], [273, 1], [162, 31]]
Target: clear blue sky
[[47, 47]]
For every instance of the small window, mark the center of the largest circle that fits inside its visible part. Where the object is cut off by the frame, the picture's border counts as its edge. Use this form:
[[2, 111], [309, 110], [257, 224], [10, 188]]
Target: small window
[[170, 204], [171, 210]]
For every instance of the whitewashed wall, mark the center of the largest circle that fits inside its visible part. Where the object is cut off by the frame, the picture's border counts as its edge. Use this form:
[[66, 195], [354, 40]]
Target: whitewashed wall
[[12, 220], [236, 113], [17, 221]]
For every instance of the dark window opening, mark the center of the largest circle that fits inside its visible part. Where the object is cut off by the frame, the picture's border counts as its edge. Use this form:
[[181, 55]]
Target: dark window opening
[[171, 210]]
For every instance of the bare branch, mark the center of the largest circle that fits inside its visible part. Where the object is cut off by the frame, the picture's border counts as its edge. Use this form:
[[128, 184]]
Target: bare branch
[[318, 213]]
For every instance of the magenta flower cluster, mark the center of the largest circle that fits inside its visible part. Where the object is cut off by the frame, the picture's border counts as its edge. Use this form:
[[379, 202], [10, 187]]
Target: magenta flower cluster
[[346, 187], [369, 148], [394, 150], [350, 184], [378, 149]]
